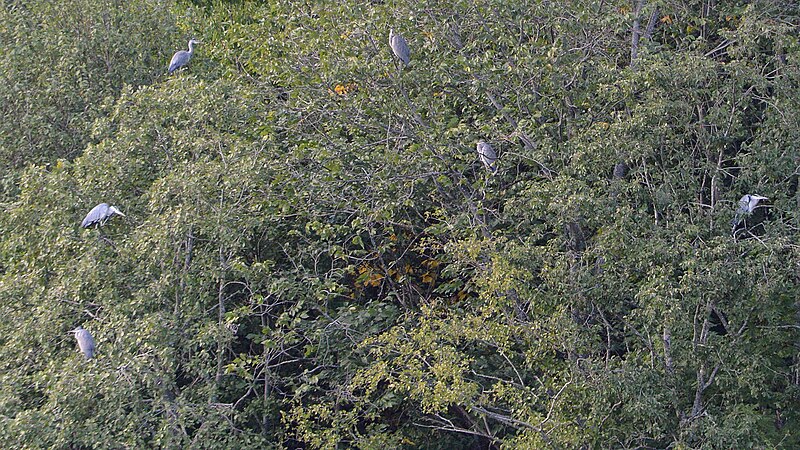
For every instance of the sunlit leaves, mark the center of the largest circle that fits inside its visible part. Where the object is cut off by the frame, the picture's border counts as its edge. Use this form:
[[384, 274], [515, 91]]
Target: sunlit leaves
[[313, 255]]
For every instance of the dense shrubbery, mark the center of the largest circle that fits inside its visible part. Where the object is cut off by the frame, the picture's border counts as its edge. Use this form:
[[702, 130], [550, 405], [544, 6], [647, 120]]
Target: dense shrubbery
[[313, 256]]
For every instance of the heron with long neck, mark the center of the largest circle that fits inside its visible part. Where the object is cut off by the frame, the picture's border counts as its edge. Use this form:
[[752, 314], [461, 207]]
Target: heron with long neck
[[85, 341], [399, 47], [181, 58], [100, 214], [487, 156], [747, 204]]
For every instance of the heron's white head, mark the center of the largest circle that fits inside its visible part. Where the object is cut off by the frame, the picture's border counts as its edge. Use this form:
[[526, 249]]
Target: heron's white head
[[76, 330], [749, 202], [114, 210], [192, 43], [754, 200]]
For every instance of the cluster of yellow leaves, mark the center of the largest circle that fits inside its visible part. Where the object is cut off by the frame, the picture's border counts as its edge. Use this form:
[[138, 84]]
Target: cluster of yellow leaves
[[344, 89], [369, 277], [430, 275]]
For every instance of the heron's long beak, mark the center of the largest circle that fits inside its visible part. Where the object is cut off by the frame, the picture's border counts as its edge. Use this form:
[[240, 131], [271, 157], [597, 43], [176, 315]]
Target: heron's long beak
[[120, 213]]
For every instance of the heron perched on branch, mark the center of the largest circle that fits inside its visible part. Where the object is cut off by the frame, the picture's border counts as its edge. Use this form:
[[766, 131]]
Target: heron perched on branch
[[620, 170], [182, 57], [487, 155], [399, 47], [85, 341], [747, 204], [100, 215]]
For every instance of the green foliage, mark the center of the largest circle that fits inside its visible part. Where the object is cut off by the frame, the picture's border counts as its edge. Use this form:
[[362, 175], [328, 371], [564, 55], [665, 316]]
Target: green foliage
[[313, 256], [62, 63]]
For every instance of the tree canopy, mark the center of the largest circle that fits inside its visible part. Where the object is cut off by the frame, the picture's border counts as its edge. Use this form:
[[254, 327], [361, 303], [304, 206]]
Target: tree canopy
[[314, 256]]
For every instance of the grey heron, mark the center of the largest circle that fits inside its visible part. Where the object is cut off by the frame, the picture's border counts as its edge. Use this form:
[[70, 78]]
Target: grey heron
[[85, 341], [747, 204], [487, 155], [100, 215], [182, 57], [620, 170], [399, 47]]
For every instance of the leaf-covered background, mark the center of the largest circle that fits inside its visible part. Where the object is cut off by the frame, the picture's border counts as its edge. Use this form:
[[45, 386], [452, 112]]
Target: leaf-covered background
[[314, 257]]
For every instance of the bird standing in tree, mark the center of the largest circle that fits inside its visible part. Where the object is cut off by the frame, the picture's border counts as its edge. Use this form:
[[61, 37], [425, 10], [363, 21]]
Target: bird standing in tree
[[747, 204], [100, 214], [182, 57], [620, 170], [487, 155], [85, 341], [399, 47]]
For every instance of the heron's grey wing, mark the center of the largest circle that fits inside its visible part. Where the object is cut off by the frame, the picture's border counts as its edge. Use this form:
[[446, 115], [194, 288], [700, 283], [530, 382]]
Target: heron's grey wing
[[487, 152], [400, 48], [179, 59], [95, 215], [490, 153], [405, 51], [620, 169], [85, 343], [744, 205], [487, 155]]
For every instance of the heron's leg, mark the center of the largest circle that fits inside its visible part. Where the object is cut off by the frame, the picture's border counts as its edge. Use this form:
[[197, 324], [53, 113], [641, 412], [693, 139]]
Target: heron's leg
[[108, 241], [103, 238]]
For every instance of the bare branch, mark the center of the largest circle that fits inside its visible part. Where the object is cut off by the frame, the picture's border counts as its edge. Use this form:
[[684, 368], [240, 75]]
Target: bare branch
[[667, 338], [711, 378], [636, 34], [651, 25], [502, 418]]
